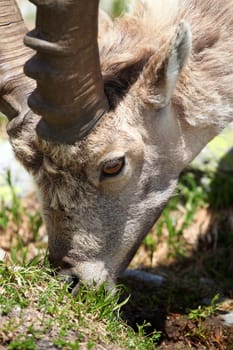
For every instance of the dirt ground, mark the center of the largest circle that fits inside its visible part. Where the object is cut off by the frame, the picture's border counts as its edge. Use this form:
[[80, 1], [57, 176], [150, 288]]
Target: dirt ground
[[190, 282], [166, 309]]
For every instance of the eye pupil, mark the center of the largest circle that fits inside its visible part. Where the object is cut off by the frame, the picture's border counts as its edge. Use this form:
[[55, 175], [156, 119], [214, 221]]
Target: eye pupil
[[113, 167]]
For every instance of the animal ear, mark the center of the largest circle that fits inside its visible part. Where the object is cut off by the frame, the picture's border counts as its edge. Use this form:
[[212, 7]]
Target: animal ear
[[160, 75]]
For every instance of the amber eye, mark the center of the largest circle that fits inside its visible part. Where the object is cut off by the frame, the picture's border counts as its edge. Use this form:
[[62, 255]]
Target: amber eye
[[113, 167]]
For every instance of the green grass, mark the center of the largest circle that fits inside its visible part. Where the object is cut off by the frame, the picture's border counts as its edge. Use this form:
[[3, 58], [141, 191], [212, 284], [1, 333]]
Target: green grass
[[190, 196], [203, 312], [37, 307], [91, 318], [29, 290], [13, 217], [28, 286], [14, 209]]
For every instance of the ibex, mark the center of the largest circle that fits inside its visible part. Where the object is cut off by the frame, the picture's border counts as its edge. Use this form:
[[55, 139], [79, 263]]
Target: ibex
[[115, 116]]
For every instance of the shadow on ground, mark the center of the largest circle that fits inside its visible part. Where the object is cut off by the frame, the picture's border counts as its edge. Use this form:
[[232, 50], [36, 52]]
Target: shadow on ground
[[182, 308]]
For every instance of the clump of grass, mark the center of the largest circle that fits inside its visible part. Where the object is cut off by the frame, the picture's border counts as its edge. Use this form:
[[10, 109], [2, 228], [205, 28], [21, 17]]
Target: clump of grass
[[14, 209], [29, 291], [190, 196], [19, 225], [202, 312], [93, 317], [4, 217], [203, 331]]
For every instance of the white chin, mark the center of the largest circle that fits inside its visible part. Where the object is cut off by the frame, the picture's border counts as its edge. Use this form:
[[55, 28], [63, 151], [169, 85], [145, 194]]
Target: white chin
[[94, 273]]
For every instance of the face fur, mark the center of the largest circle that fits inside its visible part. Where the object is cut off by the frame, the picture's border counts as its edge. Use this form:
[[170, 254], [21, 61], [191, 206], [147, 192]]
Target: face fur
[[169, 95], [100, 196], [98, 205]]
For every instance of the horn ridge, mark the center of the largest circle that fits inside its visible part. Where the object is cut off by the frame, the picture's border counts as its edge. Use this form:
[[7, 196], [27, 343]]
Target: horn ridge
[[70, 93], [14, 85]]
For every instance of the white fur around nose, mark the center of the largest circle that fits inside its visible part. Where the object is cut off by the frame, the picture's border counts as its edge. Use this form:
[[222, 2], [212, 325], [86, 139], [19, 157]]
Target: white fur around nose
[[94, 273]]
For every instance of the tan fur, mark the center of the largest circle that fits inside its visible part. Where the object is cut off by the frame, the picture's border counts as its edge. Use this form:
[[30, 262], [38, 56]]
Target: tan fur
[[168, 98]]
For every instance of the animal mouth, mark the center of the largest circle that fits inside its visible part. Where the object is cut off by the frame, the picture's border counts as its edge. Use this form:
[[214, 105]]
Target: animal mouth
[[65, 269], [73, 284]]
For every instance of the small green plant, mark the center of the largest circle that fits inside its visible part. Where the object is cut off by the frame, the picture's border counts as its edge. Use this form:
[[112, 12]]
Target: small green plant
[[190, 196], [16, 208], [35, 223], [22, 343], [4, 215], [61, 343], [202, 312], [150, 244], [155, 336]]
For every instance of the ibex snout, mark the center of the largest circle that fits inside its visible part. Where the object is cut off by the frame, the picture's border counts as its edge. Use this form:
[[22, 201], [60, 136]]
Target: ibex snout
[[92, 273]]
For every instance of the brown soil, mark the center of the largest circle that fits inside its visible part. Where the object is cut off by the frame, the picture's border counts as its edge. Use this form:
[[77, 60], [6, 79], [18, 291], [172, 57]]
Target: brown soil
[[170, 317], [192, 281]]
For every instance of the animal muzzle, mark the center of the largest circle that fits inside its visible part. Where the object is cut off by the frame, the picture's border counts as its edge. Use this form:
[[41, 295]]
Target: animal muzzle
[[92, 273]]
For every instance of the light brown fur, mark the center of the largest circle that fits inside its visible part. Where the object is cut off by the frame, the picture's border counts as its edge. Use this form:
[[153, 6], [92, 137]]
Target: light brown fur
[[167, 100]]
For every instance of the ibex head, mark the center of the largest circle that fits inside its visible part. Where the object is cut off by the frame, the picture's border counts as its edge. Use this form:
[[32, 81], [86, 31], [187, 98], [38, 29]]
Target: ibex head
[[108, 148]]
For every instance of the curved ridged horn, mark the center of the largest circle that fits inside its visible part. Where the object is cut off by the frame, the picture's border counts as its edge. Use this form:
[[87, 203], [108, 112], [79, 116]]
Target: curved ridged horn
[[70, 94], [14, 85]]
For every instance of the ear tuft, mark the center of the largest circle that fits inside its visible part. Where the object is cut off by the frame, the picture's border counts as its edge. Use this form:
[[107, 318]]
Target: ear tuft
[[159, 79], [182, 44]]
